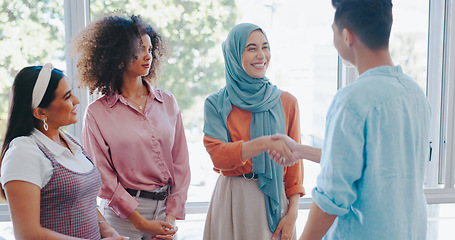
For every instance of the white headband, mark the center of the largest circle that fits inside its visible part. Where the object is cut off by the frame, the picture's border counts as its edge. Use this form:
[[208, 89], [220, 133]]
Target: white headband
[[44, 77]]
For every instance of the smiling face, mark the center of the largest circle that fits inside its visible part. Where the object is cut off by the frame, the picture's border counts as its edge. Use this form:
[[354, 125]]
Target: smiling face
[[256, 56], [62, 110], [140, 66]]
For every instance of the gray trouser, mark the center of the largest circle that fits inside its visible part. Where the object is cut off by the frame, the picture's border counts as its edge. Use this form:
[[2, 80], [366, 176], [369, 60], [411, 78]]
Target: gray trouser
[[148, 208]]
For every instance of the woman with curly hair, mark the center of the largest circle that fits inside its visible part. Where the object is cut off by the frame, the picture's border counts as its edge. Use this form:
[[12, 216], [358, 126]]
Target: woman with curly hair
[[134, 132]]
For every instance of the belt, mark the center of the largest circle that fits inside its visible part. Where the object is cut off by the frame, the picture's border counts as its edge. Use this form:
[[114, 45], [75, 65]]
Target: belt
[[249, 176], [146, 194]]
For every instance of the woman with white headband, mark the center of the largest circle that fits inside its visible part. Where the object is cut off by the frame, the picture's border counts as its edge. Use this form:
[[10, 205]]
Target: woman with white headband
[[49, 182]]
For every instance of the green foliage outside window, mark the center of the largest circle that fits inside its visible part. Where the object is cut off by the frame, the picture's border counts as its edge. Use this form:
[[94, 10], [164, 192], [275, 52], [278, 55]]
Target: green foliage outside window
[[32, 32], [194, 31]]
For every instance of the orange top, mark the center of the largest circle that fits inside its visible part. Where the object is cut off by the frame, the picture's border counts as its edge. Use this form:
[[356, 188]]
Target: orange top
[[227, 159]]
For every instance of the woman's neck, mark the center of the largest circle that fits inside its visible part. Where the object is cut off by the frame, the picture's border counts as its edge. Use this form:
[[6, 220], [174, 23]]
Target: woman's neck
[[53, 134], [133, 86]]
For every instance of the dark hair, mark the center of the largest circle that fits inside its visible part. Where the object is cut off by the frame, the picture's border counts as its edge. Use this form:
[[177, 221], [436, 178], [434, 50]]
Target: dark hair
[[106, 46], [20, 118], [370, 20]]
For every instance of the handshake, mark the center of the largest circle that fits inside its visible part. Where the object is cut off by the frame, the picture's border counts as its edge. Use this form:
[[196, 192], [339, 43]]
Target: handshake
[[285, 151]]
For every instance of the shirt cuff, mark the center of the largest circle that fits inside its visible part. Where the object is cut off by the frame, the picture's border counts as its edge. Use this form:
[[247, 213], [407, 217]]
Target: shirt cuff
[[122, 203], [175, 208], [297, 189], [326, 204]]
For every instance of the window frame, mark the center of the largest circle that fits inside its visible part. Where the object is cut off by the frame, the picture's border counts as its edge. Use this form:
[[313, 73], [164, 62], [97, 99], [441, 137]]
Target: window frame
[[77, 16], [440, 93]]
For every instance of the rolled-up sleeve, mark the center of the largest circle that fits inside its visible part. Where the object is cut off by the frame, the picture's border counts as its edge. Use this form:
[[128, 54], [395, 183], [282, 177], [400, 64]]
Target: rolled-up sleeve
[[342, 162]]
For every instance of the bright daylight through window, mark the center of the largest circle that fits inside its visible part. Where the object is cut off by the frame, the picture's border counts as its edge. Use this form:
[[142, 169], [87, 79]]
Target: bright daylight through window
[[304, 63]]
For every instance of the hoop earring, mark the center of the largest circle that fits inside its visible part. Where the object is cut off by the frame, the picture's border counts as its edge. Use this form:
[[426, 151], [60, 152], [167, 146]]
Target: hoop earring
[[46, 127]]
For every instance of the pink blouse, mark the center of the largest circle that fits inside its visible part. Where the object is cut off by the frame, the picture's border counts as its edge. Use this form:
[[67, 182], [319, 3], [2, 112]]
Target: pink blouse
[[138, 151]]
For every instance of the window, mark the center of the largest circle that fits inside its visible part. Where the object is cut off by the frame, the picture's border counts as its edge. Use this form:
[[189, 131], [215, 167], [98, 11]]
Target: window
[[30, 34], [409, 38], [441, 169], [305, 66], [304, 62], [194, 69]]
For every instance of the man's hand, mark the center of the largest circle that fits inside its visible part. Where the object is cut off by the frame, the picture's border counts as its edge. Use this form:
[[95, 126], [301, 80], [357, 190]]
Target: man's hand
[[298, 150], [279, 156]]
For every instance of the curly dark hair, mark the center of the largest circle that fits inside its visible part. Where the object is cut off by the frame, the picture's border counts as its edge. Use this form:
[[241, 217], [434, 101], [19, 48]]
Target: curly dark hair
[[106, 46]]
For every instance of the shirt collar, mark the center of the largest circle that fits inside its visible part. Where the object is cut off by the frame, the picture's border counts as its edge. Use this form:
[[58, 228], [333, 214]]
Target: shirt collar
[[115, 97], [52, 146], [382, 70]]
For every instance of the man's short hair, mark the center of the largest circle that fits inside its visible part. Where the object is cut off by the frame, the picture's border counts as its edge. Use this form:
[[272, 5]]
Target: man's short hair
[[370, 20]]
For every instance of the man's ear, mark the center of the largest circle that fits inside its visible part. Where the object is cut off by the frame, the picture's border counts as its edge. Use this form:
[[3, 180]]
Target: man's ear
[[349, 37], [39, 113]]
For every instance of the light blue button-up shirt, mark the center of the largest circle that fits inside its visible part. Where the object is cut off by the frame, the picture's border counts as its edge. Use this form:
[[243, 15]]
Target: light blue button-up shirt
[[373, 158]]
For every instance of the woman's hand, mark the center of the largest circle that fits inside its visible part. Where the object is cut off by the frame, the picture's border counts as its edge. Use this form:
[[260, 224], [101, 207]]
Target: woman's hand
[[151, 227], [298, 150], [286, 156], [287, 223], [262, 144], [282, 145], [107, 232], [170, 219], [286, 227], [157, 228]]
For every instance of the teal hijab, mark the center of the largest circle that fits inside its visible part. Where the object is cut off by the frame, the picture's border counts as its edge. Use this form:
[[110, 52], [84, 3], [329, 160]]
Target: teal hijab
[[262, 99]]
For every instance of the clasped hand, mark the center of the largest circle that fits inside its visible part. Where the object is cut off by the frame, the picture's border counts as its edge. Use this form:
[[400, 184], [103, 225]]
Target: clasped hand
[[284, 150], [160, 229]]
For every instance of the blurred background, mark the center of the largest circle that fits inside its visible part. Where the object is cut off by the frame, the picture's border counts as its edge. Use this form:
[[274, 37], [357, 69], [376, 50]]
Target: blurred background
[[304, 63]]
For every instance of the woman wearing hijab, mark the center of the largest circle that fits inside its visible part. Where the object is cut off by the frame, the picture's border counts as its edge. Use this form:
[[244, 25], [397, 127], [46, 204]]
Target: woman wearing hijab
[[254, 197]]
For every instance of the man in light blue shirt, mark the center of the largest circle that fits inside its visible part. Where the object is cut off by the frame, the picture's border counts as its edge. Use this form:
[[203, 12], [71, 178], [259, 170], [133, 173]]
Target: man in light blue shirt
[[373, 160], [376, 141]]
